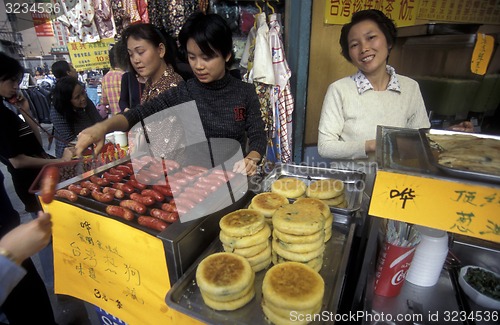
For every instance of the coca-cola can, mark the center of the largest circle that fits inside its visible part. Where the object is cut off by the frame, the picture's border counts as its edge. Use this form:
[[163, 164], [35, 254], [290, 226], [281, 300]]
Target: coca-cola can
[[392, 267]]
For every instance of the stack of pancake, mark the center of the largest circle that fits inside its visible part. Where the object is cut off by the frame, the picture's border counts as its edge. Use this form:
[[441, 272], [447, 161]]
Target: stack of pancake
[[292, 287], [289, 187], [329, 190], [298, 235], [267, 203], [246, 233], [325, 212], [226, 281]]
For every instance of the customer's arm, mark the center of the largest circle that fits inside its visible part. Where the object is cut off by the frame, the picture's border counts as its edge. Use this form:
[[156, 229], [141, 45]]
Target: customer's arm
[[19, 244]]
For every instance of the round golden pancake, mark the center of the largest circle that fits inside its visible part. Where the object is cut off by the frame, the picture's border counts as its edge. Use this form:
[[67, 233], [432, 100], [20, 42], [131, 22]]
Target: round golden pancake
[[298, 239], [292, 285], [222, 274], [243, 222], [316, 263], [342, 204], [298, 257], [262, 265], [329, 222], [229, 305], [233, 296], [246, 241], [322, 206], [325, 188], [335, 201], [298, 248], [247, 251], [287, 313], [298, 219], [289, 187], [260, 257], [278, 320], [268, 202], [328, 234]]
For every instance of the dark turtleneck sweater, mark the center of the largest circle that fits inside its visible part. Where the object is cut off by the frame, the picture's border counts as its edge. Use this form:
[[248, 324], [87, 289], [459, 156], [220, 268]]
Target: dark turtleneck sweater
[[228, 108]]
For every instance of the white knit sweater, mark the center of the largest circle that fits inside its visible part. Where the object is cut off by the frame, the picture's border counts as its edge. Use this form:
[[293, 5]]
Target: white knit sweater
[[348, 119]]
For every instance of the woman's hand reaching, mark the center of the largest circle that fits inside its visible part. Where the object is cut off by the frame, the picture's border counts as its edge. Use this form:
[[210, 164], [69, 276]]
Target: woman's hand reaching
[[465, 126]]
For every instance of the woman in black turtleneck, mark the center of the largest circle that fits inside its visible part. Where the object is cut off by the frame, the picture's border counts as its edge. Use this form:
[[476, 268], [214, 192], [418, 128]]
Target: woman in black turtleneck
[[228, 107]]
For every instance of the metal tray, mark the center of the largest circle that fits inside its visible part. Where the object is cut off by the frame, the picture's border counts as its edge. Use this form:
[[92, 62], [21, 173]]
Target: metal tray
[[185, 295], [354, 182], [467, 174]]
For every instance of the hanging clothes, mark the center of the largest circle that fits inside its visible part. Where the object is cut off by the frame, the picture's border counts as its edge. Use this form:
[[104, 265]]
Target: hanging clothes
[[119, 15], [281, 96], [263, 63], [170, 15], [78, 17], [142, 8], [104, 18]]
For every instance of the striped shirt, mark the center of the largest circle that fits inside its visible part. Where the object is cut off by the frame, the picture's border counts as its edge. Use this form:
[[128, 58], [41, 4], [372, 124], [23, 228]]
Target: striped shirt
[[111, 86]]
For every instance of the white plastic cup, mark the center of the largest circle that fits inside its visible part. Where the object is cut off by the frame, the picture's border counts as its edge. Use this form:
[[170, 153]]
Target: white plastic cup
[[121, 138], [429, 258], [110, 137]]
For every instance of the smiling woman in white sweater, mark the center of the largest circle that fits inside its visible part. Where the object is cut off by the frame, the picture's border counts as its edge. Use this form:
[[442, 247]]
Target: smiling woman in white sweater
[[375, 95]]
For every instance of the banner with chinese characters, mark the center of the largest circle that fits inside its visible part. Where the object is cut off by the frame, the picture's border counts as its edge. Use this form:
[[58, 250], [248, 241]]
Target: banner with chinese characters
[[458, 207], [90, 56], [463, 11], [43, 24], [403, 12], [110, 265]]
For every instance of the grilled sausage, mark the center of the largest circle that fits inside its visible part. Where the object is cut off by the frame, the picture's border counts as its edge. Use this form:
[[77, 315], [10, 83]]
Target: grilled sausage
[[133, 205], [124, 187], [170, 217], [163, 190], [99, 181], [48, 183], [121, 212], [152, 223], [154, 194], [67, 194], [112, 178], [77, 189], [116, 171], [91, 186], [126, 169], [134, 183], [168, 207], [102, 197], [119, 194], [146, 200]]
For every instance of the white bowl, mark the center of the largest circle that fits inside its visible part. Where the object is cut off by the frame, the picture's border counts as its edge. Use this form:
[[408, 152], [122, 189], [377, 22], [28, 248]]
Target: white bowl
[[474, 295]]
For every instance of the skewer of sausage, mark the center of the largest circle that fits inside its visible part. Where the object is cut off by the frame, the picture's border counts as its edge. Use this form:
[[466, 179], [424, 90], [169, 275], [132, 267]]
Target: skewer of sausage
[[48, 183]]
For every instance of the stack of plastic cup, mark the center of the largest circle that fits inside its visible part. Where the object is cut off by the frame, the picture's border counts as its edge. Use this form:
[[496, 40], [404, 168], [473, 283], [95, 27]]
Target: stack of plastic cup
[[429, 257]]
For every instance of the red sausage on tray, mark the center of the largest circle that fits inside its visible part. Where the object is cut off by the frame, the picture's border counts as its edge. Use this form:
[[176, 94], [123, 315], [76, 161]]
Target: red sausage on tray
[[114, 191], [154, 194], [102, 197], [121, 212], [170, 217], [168, 207], [111, 177], [48, 183], [124, 187], [152, 223], [67, 194], [126, 169], [91, 186], [146, 200], [136, 184], [77, 189], [133, 205], [99, 181]]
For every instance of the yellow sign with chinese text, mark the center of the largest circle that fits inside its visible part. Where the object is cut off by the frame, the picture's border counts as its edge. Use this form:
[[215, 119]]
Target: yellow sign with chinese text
[[481, 56], [463, 11], [339, 12], [458, 207], [89, 56], [110, 264]]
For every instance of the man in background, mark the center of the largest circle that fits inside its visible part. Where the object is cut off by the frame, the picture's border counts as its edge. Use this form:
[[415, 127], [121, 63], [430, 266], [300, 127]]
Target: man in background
[[111, 82]]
